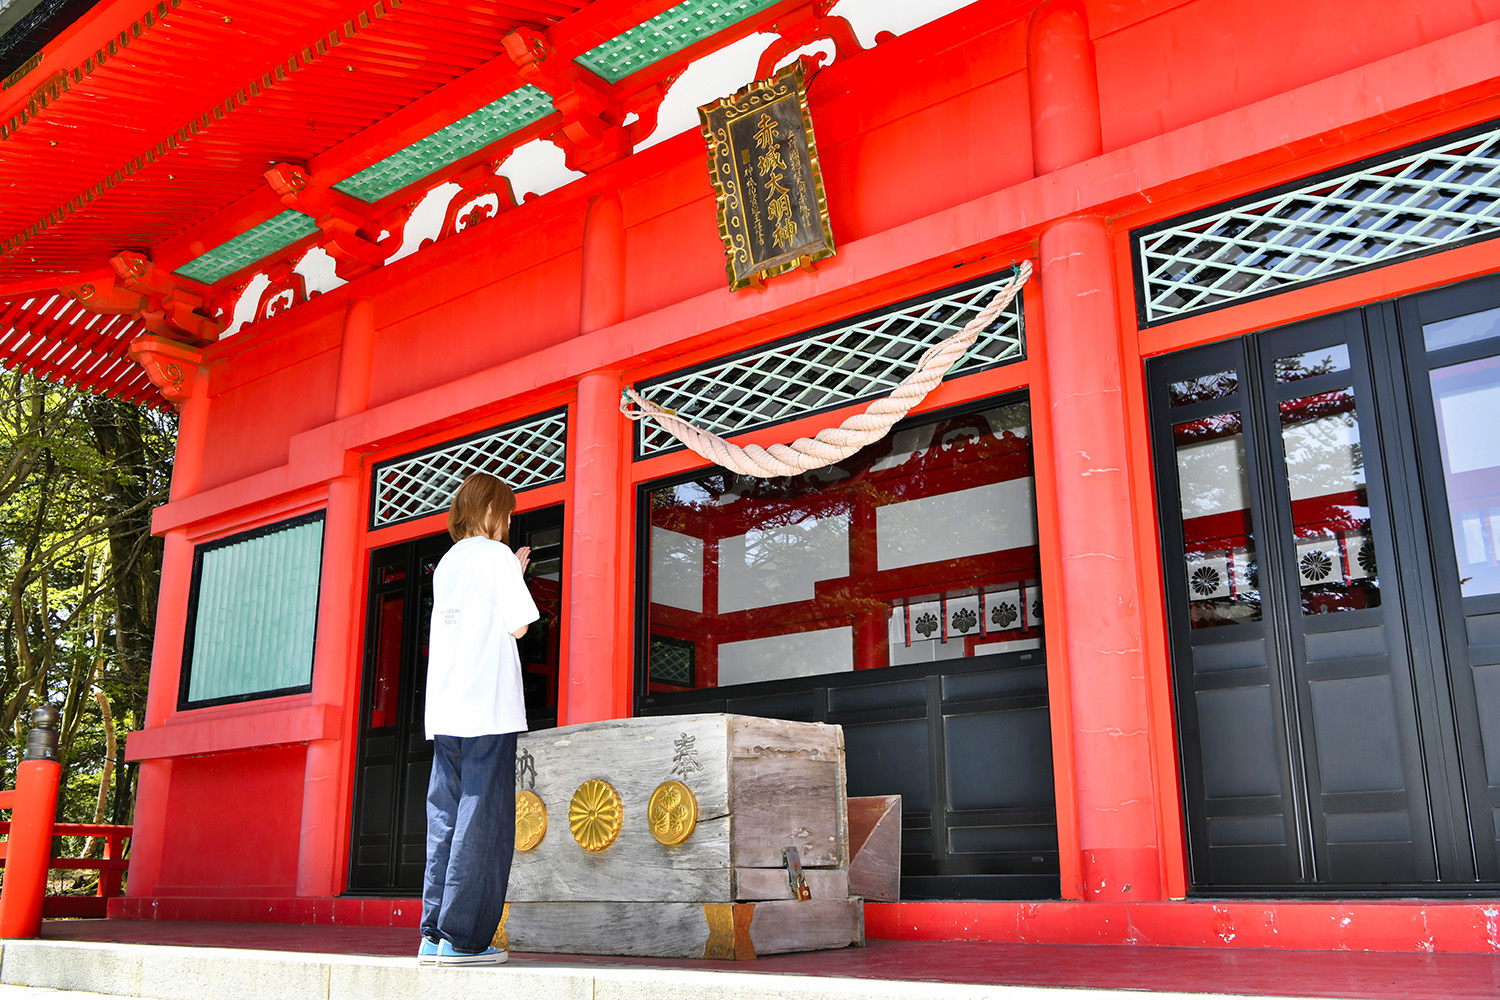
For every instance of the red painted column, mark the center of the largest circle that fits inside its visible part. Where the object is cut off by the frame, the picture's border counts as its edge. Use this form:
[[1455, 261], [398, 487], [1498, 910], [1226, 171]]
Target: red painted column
[[335, 676], [1105, 659], [1064, 85], [148, 838], [356, 359], [336, 669], [28, 848], [599, 663], [598, 667]]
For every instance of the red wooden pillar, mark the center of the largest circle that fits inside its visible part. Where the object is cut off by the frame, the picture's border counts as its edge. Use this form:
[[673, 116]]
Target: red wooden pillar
[[148, 837], [29, 847], [1105, 658], [335, 667], [599, 662]]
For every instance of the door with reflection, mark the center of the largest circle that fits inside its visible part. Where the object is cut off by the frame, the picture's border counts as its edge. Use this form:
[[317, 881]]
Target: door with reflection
[[389, 830], [1301, 755], [1452, 338]]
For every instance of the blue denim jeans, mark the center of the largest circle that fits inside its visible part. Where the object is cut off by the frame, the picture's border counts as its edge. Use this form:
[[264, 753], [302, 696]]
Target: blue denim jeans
[[471, 835]]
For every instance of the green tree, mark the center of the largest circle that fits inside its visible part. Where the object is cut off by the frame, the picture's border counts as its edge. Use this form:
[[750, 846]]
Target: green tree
[[79, 476]]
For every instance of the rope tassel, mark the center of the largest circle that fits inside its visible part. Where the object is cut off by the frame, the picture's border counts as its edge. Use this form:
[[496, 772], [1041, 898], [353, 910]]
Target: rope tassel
[[831, 444]]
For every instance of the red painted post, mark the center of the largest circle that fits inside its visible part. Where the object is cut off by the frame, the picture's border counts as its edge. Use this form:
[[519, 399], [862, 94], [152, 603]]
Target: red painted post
[[335, 678], [335, 669], [154, 779], [598, 668], [1105, 661], [30, 846], [109, 881]]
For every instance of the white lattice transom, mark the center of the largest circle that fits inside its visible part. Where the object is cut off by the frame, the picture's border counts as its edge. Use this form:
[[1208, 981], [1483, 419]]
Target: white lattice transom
[[1437, 197], [523, 455], [832, 367]]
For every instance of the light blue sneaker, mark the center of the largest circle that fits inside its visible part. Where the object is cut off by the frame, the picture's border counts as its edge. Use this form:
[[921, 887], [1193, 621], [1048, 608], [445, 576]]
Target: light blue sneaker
[[449, 955], [427, 951]]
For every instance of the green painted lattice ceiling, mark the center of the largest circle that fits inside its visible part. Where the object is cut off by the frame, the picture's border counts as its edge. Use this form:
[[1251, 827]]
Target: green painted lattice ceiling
[[670, 31], [469, 134], [248, 247]]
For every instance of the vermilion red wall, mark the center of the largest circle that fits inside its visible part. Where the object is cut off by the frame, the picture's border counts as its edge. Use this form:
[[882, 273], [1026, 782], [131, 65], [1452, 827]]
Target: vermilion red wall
[[232, 833], [943, 157]]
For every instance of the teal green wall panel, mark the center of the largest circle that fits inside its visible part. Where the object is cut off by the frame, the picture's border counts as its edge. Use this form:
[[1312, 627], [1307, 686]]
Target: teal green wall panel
[[254, 613], [673, 30]]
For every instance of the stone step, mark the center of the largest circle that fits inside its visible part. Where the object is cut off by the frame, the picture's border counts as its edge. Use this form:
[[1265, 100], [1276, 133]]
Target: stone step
[[163, 972]]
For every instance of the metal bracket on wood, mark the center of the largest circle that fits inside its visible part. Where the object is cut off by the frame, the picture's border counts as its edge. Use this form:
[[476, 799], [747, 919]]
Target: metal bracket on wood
[[794, 877]]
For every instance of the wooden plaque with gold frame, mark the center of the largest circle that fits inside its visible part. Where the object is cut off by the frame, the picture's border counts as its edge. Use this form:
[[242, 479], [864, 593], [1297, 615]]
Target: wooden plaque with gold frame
[[763, 161]]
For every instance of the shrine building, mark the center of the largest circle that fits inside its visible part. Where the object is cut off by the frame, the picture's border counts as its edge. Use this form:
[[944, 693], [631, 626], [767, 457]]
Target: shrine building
[[1172, 613]]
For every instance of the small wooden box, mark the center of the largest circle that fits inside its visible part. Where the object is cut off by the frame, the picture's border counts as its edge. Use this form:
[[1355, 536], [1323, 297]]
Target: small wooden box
[[759, 786]]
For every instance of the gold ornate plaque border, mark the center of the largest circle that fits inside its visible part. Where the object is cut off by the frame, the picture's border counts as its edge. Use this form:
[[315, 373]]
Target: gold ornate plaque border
[[742, 269]]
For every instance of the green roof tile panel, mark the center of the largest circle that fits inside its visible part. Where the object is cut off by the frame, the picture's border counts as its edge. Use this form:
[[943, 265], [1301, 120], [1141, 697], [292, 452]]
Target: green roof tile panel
[[670, 31], [249, 247], [469, 134], [255, 613]]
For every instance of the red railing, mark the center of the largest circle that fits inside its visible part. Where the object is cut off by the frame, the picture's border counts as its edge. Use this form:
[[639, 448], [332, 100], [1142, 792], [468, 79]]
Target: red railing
[[26, 852], [111, 867]]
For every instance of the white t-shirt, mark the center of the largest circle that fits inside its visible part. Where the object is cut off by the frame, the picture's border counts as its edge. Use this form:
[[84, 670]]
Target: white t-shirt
[[473, 670]]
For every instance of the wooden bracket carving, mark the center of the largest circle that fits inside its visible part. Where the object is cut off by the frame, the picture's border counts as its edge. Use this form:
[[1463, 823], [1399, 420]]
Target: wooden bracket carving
[[803, 26], [594, 133], [476, 185], [167, 305], [287, 289], [343, 221], [170, 365]]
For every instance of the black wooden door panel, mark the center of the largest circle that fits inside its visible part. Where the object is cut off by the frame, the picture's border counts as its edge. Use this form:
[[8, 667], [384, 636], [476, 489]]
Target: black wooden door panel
[[388, 848], [968, 751], [1337, 664], [1450, 339], [1230, 679]]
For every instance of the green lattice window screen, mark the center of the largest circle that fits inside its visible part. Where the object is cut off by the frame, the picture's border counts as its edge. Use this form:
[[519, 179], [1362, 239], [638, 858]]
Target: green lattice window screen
[[1441, 195], [673, 661], [252, 614]]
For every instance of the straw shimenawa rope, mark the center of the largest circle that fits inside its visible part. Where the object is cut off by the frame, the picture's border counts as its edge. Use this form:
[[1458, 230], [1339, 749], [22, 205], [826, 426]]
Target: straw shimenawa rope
[[832, 444]]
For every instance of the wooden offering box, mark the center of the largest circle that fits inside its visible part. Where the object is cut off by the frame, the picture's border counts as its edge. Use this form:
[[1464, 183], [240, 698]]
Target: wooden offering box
[[667, 836]]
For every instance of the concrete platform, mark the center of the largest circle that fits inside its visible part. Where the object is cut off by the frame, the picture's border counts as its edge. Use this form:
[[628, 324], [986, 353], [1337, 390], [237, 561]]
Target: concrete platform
[[218, 961]]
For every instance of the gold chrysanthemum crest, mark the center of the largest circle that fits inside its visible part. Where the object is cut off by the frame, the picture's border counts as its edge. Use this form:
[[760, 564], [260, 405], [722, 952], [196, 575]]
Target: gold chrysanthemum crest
[[672, 812], [596, 814]]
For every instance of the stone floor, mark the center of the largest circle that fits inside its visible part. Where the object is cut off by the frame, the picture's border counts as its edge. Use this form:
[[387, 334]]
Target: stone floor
[[906, 966]]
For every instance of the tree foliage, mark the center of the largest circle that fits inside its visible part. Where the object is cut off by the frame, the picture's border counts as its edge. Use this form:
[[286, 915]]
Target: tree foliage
[[79, 476]]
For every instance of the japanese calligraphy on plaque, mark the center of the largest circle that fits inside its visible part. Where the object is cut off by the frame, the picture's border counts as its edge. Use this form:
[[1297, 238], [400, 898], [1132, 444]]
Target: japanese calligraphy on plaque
[[764, 165]]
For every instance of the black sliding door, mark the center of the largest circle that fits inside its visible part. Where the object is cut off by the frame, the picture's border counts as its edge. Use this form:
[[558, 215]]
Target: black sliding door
[[389, 840], [1331, 711]]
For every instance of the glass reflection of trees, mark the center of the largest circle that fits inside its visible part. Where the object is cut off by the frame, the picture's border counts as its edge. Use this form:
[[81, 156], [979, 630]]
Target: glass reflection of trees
[[1221, 574], [905, 523], [1325, 476]]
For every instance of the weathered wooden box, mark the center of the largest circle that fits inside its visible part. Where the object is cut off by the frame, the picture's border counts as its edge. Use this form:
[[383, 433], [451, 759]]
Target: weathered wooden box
[[666, 837]]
